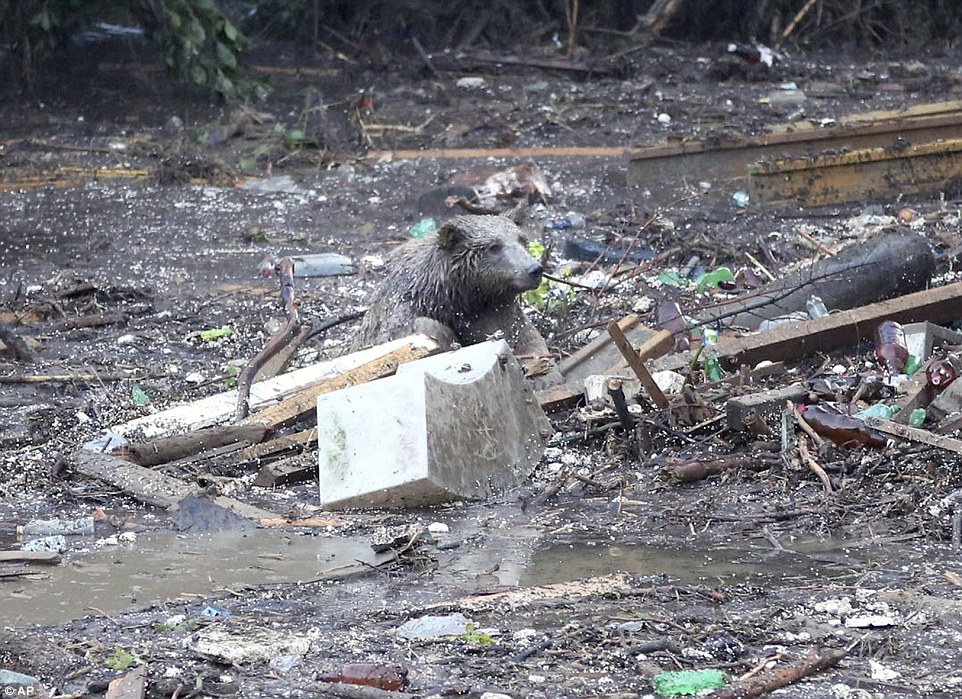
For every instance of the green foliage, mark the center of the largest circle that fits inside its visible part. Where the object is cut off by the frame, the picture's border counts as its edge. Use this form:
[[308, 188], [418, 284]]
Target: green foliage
[[550, 296], [123, 659], [200, 43], [473, 637], [183, 625]]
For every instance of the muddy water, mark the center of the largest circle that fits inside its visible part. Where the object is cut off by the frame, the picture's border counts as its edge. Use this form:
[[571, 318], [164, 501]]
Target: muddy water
[[806, 561], [165, 565]]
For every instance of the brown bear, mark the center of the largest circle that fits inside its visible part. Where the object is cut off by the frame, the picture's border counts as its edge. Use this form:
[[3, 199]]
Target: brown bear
[[460, 285]]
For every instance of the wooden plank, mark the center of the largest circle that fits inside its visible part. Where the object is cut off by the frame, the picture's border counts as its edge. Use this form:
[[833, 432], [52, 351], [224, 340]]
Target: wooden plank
[[842, 329], [600, 354], [132, 685], [220, 407], [50, 557], [872, 173], [147, 486], [637, 365], [661, 168], [915, 435], [484, 153], [304, 401], [153, 487]]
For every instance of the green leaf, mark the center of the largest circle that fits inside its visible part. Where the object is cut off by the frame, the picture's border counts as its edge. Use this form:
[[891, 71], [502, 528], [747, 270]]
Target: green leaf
[[198, 75], [225, 55], [230, 31], [216, 333], [139, 396]]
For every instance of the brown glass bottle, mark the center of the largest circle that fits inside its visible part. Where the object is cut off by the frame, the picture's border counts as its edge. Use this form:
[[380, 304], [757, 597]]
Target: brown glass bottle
[[389, 677], [844, 430], [943, 371], [890, 347]]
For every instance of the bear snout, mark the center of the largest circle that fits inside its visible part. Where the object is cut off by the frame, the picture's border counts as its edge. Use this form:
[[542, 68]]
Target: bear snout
[[535, 270]]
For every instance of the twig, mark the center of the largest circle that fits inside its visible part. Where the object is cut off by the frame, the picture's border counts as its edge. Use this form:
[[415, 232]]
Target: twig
[[276, 343], [764, 270], [806, 428], [814, 661], [799, 16], [814, 466], [425, 57]]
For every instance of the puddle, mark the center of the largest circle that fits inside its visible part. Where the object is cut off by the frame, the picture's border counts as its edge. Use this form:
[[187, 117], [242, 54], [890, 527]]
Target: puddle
[[166, 565], [811, 560]]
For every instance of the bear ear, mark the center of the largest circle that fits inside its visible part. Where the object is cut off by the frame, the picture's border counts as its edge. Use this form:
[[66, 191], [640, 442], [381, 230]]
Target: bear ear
[[449, 235], [516, 214]]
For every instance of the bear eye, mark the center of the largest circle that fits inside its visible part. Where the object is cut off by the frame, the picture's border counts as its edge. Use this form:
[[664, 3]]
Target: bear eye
[[495, 247]]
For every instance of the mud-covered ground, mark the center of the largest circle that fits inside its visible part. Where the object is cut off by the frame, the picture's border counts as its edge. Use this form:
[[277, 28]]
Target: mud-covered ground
[[750, 569]]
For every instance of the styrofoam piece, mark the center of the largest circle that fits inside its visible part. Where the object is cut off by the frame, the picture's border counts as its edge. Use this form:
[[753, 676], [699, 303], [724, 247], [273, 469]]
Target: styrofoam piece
[[464, 424]]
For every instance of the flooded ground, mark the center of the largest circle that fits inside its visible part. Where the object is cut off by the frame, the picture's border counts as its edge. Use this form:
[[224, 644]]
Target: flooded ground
[[157, 236]]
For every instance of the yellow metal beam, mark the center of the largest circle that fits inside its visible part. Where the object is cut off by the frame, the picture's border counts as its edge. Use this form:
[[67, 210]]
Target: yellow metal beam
[[867, 174]]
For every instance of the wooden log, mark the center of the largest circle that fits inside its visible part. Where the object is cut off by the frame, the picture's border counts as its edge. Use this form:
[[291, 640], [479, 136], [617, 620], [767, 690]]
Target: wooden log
[[219, 408], [166, 449], [293, 408], [885, 266]]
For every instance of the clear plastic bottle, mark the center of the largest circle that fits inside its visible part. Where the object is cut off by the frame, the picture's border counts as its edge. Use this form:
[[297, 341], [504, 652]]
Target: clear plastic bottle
[[890, 347]]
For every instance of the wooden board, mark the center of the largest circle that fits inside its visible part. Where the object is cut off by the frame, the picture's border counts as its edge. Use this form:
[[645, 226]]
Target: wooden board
[[152, 487], [832, 332], [220, 407]]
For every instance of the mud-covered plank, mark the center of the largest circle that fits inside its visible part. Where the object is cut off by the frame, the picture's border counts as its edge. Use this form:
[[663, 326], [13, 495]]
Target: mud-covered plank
[[132, 685], [51, 557], [837, 330], [152, 487]]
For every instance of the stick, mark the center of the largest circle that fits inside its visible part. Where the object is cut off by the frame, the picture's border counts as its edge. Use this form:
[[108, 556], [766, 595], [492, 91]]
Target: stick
[[814, 661], [814, 466], [276, 343], [799, 16], [637, 365]]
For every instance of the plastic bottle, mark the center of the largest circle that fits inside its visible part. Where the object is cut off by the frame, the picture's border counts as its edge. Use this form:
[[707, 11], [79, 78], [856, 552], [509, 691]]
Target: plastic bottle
[[890, 347], [942, 372], [816, 307], [569, 222], [879, 410], [844, 430], [917, 417]]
